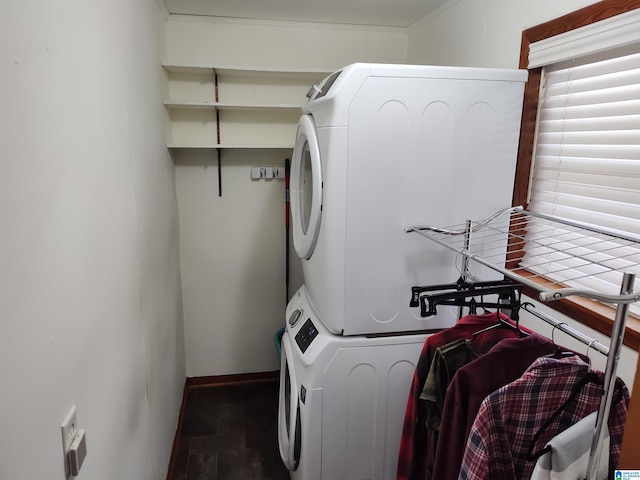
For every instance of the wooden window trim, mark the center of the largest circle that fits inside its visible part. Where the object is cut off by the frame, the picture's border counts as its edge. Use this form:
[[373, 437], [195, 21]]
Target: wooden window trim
[[589, 313]]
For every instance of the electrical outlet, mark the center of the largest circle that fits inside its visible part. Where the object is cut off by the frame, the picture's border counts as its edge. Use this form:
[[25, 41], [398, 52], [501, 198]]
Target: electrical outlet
[[257, 173], [69, 430], [267, 173]]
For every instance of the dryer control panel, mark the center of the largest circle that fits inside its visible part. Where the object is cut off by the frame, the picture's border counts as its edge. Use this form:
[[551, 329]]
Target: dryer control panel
[[306, 335]]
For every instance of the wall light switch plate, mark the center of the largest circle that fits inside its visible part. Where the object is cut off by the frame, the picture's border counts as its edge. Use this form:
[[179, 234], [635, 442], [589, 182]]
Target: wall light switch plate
[[69, 430]]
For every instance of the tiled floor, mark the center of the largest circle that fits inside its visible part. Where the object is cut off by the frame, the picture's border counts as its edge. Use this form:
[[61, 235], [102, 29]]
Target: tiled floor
[[230, 432]]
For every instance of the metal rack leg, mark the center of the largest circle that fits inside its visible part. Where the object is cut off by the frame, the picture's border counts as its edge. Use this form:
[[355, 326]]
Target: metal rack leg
[[464, 274], [617, 336]]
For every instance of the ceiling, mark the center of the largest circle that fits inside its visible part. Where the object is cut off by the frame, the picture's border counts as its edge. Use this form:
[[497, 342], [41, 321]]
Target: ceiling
[[393, 13]]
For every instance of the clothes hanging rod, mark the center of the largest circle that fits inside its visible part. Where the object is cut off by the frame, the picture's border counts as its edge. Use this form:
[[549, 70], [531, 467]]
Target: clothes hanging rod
[[563, 327]]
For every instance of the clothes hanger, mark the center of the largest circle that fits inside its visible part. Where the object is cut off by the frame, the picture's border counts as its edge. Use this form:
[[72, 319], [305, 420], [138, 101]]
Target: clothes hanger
[[560, 353], [502, 324], [428, 303], [483, 305], [459, 285], [514, 300], [472, 306]]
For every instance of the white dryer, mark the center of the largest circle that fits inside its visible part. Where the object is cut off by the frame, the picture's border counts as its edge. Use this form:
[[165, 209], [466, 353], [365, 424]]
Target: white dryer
[[342, 399], [383, 147]]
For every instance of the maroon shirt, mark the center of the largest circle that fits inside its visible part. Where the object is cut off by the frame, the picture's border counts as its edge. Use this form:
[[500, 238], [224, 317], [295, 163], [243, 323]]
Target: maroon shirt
[[414, 459]]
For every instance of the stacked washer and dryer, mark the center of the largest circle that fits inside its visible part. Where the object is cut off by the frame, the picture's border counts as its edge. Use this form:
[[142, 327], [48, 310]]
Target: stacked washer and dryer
[[380, 148]]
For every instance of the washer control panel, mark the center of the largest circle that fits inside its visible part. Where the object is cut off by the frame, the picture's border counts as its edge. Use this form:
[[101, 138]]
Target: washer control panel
[[305, 336]]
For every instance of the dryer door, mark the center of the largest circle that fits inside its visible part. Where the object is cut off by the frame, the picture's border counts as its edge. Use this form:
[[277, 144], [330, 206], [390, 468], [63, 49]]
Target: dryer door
[[306, 188], [289, 431]]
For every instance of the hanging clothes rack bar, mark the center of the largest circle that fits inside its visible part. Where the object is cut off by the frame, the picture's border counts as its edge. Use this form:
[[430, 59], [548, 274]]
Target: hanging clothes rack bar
[[558, 258], [563, 327]]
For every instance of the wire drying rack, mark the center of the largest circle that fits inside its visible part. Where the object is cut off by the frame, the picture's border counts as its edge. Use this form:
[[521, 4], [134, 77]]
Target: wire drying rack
[[558, 258], [569, 256]]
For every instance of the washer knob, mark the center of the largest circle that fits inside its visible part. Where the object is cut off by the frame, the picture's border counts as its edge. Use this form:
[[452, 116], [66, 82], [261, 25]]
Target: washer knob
[[295, 317]]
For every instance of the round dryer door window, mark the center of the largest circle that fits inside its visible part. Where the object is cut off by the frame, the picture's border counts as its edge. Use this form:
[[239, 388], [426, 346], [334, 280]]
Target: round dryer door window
[[306, 188]]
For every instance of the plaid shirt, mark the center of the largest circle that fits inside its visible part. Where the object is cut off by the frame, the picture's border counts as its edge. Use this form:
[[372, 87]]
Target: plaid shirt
[[504, 430], [415, 450]]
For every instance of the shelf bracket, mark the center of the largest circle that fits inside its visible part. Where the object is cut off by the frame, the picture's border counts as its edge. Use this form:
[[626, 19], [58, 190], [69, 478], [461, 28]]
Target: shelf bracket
[[215, 83]]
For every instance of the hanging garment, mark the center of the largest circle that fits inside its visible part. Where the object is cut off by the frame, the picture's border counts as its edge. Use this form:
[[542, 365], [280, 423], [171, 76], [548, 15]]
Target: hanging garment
[[414, 458], [446, 361], [472, 383], [566, 455], [510, 420]]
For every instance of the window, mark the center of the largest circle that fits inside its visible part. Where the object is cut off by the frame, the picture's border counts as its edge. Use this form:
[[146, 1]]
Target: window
[[579, 155]]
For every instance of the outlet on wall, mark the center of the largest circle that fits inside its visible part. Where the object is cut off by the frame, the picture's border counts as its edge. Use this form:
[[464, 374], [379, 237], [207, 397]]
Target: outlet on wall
[[267, 173]]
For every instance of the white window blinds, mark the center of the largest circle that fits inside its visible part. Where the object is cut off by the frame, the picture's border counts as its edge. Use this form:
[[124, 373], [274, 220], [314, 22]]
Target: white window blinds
[[587, 155], [602, 36]]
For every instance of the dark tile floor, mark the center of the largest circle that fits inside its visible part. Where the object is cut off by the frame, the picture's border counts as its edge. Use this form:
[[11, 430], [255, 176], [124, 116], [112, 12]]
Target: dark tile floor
[[230, 432]]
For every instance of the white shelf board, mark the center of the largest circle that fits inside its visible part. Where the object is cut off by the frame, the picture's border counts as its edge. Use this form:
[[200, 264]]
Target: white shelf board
[[229, 147], [229, 106], [271, 72], [241, 106], [249, 71], [189, 105], [187, 68]]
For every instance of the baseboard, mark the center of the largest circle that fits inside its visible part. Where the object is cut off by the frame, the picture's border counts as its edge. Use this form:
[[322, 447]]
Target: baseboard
[[218, 380], [178, 434]]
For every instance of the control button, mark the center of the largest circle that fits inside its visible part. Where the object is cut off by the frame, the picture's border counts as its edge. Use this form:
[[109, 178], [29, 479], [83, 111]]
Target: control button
[[295, 317]]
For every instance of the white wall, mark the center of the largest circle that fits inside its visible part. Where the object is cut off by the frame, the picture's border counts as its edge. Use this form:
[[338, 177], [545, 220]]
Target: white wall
[[487, 33], [232, 248], [213, 40], [90, 301], [481, 33]]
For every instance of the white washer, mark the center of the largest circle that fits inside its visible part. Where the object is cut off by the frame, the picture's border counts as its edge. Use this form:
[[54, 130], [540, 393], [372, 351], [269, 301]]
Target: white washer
[[342, 399], [383, 147]]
